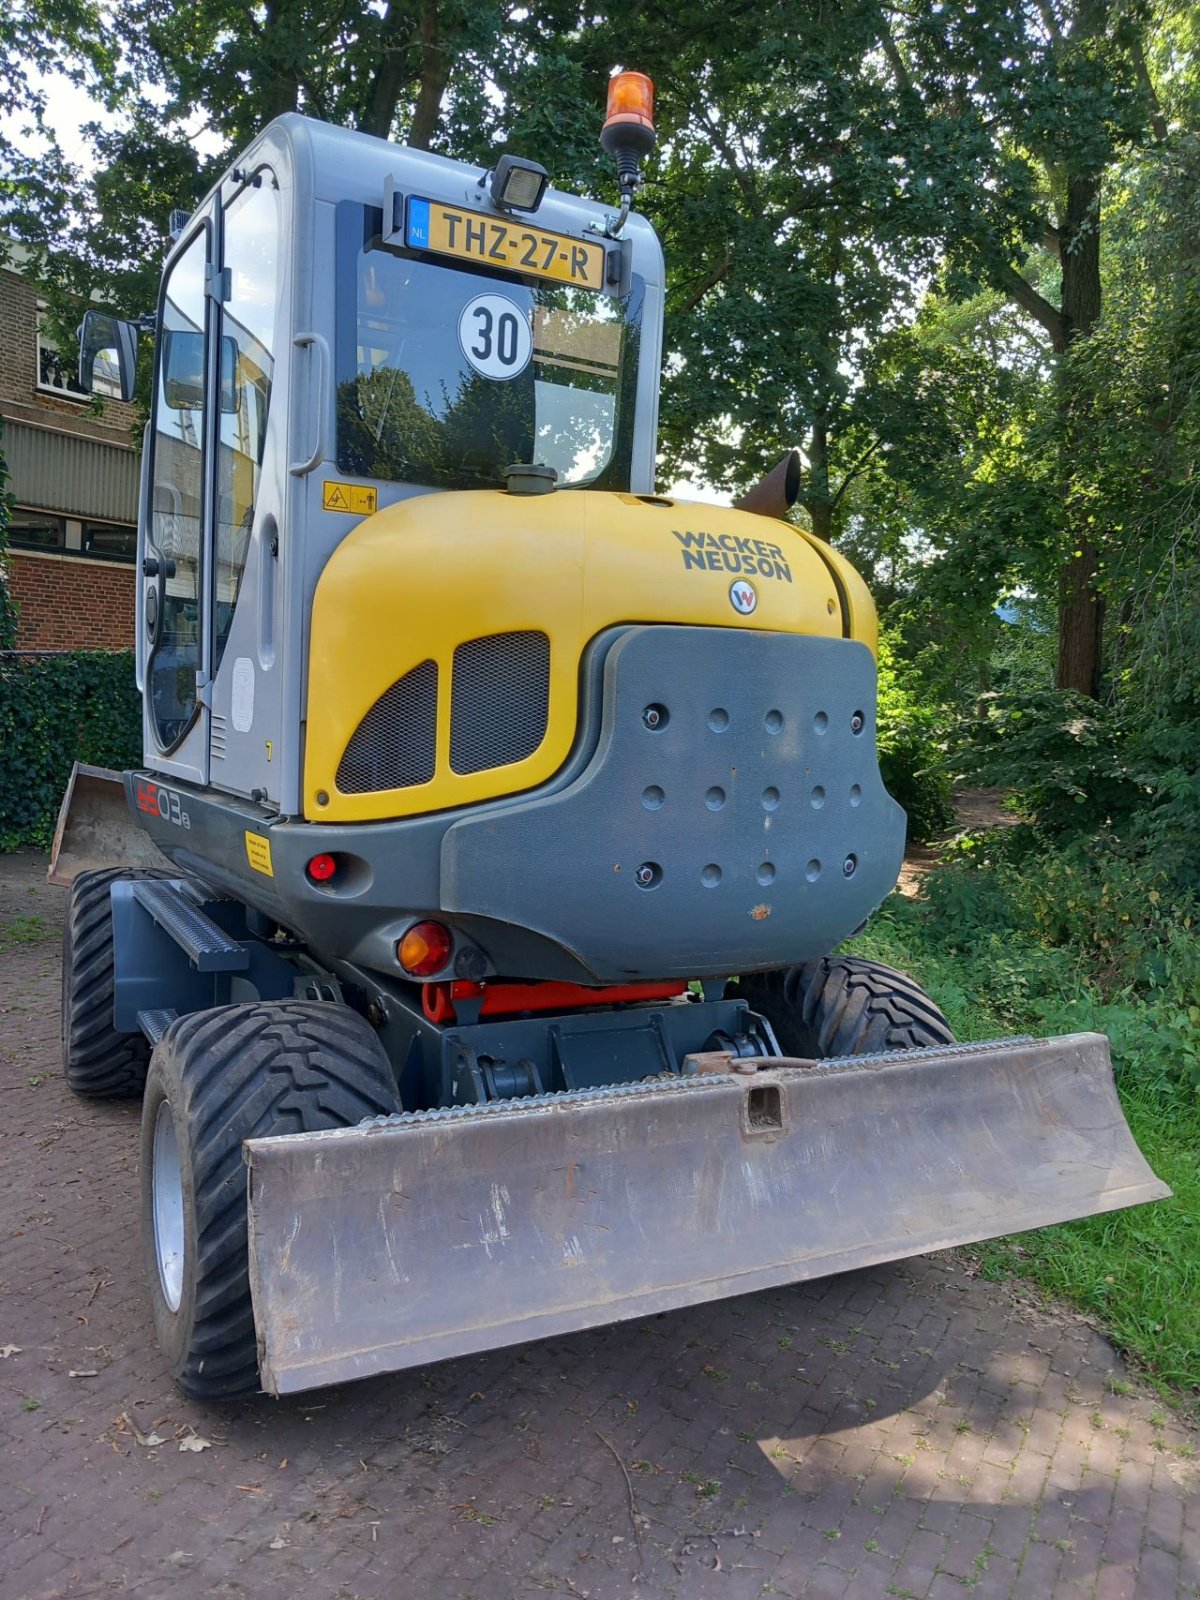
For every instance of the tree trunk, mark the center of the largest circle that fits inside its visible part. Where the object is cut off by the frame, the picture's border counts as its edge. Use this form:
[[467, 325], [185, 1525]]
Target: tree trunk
[[1080, 604], [281, 81], [397, 32], [437, 55], [815, 497]]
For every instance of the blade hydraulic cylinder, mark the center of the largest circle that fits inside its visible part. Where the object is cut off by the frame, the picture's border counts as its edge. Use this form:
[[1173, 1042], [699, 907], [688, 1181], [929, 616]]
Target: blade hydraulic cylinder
[[433, 1234]]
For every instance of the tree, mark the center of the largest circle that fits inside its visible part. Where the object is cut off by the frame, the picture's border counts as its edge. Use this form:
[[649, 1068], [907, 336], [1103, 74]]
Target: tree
[[1064, 91], [820, 170]]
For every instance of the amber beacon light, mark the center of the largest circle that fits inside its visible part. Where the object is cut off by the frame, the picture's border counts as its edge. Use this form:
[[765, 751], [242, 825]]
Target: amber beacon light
[[628, 135], [629, 117]]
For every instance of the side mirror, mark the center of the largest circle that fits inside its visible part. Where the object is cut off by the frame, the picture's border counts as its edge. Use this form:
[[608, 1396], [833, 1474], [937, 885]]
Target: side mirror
[[183, 371], [108, 352]]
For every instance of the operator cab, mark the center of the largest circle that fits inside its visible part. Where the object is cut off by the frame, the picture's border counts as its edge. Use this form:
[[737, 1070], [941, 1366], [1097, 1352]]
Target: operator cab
[[345, 323]]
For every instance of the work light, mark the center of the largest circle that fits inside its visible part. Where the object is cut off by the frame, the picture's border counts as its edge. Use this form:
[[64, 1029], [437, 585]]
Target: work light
[[517, 184]]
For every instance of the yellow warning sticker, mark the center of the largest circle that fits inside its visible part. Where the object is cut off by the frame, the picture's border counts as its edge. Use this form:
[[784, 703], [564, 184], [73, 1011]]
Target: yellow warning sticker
[[354, 497], [258, 853]]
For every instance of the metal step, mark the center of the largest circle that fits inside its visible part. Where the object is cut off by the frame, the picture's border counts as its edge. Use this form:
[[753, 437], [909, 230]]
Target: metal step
[[174, 907], [155, 1023]]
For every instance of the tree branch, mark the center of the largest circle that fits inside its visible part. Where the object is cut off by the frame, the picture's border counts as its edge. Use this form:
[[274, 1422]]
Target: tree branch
[[707, 283], [1026, 296], [855, 471], [743, 179], [1158, 122], [895, 60], [1050, 21]]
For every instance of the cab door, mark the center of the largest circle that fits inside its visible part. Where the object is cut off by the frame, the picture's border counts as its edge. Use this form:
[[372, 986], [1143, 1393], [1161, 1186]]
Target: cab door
[[176, 554]]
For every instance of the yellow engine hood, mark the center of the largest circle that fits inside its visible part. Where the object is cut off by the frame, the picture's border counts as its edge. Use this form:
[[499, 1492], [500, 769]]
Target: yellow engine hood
[[423, 576]]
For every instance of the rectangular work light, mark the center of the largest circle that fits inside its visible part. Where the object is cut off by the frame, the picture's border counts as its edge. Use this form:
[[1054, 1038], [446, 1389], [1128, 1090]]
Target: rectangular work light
[[517, 184]]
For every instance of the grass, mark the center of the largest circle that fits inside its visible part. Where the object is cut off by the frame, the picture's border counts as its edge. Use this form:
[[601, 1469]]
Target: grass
[[25, 930], [1136, 1271]]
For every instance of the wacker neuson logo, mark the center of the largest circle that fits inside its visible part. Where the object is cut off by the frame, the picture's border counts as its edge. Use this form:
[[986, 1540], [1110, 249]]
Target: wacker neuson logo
[[733, 553]]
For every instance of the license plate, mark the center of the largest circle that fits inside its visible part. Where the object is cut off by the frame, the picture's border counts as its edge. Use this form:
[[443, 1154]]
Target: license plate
[[514, 246]]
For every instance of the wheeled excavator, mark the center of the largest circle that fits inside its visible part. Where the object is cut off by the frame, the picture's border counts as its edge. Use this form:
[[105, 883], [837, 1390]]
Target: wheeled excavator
[[471, 926]]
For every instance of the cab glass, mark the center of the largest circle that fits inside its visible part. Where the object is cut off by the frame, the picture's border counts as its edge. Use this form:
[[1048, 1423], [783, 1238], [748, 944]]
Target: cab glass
[[450, 371]]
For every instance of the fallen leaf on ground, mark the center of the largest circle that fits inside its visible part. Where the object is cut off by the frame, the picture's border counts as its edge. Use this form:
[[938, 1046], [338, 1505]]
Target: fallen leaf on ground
[[147, 1439], [195, 1442], [7, 1350]]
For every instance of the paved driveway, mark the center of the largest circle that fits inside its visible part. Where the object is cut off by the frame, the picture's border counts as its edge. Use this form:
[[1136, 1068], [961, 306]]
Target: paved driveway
[[907, 1431]]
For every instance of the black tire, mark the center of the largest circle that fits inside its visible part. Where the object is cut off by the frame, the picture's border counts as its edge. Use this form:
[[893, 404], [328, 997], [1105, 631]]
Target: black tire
[[844, 1006], [97, 1061], [226, 1075]]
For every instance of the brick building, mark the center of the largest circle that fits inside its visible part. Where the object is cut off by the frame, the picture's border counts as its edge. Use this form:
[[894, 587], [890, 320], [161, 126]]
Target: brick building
[[73, 477]]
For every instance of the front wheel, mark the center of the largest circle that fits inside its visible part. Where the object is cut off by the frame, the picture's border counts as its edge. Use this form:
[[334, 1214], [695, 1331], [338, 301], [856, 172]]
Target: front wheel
[[844, 1006], [217, 1078]]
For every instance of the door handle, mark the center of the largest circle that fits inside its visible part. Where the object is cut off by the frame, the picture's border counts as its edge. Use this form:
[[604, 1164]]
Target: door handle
[[302, 341]]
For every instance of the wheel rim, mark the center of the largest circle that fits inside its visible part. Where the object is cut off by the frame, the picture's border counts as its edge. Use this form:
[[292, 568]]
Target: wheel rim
[[167, 1186]]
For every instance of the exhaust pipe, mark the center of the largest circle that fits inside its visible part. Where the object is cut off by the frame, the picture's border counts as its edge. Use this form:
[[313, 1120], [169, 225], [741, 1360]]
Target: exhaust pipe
[[771, 496]]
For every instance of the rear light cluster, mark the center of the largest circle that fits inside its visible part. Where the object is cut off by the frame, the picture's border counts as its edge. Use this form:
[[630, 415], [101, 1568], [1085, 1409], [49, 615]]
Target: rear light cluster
[[425, 949]]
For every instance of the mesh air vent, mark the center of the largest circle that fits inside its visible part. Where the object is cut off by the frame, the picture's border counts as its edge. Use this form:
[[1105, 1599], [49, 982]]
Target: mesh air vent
[[500, 700], [394, 745]]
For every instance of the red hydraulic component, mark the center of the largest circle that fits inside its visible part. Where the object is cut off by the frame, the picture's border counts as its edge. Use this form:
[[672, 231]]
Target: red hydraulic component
[[508, 999]]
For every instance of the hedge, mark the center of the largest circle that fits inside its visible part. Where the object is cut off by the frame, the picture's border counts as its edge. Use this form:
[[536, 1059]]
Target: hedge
[[79, 705]]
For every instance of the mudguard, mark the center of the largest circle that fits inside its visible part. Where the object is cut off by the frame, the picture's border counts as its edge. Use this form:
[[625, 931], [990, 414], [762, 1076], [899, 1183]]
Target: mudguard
[[421, 1236]]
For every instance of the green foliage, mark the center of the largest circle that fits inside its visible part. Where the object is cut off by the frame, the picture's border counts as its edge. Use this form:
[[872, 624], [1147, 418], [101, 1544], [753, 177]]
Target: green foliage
[[1121, 784], [56, 709], [1020, 938], [1063, 753], [912, 752]]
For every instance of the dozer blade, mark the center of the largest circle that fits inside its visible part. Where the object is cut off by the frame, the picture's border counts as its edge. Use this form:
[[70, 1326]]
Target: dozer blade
[[97, 829], [440, 1233]]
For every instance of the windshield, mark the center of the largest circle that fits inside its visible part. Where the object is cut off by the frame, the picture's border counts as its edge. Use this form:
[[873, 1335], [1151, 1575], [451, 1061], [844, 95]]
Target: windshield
[[448, 373]]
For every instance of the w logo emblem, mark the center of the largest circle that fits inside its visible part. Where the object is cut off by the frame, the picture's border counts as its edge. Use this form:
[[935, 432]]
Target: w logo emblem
[[742, 597]]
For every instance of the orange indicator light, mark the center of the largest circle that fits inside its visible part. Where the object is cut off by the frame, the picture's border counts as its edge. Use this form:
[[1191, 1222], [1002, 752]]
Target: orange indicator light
[[425, 949]]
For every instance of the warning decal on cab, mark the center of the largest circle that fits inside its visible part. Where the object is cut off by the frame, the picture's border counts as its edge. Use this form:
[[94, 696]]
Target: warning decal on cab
[[354, 497]]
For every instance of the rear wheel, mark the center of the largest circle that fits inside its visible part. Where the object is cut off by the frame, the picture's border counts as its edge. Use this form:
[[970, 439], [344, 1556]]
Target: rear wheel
[[97, 1060], [844, 1006], [216, 1078]]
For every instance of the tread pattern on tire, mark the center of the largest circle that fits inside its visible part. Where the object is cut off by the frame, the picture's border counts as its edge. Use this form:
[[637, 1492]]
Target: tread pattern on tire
[[243, 1071], [98, 1061], [845, 1006]]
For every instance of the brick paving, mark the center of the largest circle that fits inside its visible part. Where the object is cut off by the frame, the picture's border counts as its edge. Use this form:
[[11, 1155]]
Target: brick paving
[[906, 1431]]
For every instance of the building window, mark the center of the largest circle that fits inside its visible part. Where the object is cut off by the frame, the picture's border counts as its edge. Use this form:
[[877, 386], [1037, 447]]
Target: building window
[[98, 541], [109, 541], [37, 530], [56, 373]]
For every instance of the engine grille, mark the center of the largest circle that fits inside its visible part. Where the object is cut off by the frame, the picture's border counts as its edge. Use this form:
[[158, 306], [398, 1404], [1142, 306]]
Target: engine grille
[[395, 744], [500, 700]]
